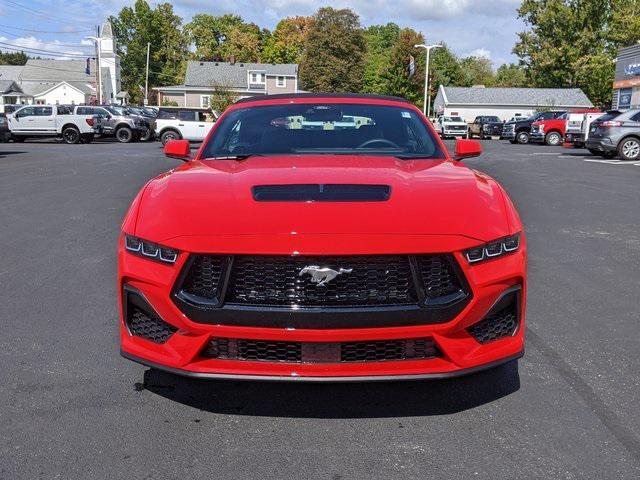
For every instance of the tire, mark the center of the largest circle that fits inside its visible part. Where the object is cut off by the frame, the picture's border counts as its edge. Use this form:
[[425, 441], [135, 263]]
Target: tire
[[71, 135], [124, 135], [629, 149], [18, 139], [513, 142], [522, 137], [553, 139], [145, 134], [169, 135]]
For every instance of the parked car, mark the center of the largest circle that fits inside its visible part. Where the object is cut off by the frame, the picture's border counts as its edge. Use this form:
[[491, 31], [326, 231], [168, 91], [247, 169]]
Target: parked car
[[123, 127], [578, 126], [174, 123], [53, 121], [549, 131], [209, 287], [145, 123], [5, 133], [520, 131], [616, 133], [452, 127], [486, 126]]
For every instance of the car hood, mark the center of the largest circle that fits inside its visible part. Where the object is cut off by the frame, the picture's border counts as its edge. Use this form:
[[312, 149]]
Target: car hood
[[428, 197]]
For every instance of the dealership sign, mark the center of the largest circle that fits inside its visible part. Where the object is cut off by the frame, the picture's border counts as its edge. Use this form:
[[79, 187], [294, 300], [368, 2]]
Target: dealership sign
[[633, 69]]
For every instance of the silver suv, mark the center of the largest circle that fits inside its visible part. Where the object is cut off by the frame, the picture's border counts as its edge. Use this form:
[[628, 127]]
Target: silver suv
[[616, 133], [116, 122]]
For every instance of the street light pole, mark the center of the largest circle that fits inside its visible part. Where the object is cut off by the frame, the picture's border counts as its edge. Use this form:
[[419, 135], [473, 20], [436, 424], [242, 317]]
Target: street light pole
[[98, 73], [146, 78], [426, 109]]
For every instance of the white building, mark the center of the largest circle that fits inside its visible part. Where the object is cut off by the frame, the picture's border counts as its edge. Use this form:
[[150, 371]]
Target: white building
[[505, 103], [65, 81]]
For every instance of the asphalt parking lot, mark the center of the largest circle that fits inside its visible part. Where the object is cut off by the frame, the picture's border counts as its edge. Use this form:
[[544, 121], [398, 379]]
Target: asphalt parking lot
[[73, 408]]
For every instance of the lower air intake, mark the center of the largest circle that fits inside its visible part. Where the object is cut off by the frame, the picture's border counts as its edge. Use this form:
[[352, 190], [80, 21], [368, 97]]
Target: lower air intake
[[502, 321], [300, 352]]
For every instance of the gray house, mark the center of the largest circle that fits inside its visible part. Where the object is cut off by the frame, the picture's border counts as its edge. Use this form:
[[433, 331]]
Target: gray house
[[244, 79], [506, 103]]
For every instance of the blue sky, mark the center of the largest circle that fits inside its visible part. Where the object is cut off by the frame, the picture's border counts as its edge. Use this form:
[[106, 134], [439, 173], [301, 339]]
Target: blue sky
[[469, 27]]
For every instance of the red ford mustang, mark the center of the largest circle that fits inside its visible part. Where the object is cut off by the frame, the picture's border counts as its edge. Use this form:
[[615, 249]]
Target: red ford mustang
[[322, 238]]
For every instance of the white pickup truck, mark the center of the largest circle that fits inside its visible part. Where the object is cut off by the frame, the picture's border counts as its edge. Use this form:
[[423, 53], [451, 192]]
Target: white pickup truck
[[53, 121]]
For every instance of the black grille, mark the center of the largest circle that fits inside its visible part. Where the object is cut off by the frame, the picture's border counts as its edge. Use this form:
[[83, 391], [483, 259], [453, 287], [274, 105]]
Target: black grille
[[499, 323], [298, 352], [203, 277], [438, 276], [145, 325], [279, 281]]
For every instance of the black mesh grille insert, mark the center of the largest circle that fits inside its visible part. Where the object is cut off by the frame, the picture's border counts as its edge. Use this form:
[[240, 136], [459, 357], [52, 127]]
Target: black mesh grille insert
[[438, 276], [203, 277], [281, 281], [501, 322], [145, 325], [298, 352]]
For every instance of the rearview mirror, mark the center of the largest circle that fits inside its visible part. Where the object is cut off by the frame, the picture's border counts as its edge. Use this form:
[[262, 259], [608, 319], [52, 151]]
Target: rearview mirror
[[179, 149], [467, 149]]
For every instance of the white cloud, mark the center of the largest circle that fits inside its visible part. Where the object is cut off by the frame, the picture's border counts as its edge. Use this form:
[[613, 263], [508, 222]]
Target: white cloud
[[41, 48], [480, 52]]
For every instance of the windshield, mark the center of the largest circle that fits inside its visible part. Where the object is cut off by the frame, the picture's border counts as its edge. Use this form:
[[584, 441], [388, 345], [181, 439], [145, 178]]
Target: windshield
[[453, 119], [323, 129], [491, 119]]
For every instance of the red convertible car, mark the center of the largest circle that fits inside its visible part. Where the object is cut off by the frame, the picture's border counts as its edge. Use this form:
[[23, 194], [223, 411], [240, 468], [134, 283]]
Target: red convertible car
[[321, 237]]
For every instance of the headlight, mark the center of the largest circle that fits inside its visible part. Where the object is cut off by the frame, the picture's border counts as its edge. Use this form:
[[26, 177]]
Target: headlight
[[150, 250], [493, 249]]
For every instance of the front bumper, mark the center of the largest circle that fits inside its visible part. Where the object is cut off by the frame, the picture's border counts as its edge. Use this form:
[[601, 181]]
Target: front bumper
[[454, 133], [536, 137], [460, 352]]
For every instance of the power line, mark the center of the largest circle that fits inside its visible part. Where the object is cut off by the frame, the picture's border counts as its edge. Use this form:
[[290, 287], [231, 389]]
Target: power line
[[76, 45], [47, 31], [41, 51], [46, 15]]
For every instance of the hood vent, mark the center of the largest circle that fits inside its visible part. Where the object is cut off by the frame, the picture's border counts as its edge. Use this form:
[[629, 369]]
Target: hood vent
[[321, 193]]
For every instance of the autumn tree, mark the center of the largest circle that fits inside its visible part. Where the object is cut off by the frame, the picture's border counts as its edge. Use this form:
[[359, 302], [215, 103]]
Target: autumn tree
[[399, 80], [134, 28], [333, 59], [209, 32], [287, 42], [477, 71]]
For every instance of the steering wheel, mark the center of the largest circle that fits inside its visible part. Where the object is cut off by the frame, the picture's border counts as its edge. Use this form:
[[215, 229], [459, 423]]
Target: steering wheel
[[379, 140]]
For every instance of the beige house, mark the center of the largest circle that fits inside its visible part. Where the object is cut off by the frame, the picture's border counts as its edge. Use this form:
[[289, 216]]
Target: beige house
[[244, 79]]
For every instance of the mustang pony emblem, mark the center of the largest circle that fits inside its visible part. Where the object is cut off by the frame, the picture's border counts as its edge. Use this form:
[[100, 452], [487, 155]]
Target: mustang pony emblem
[[322, 275]]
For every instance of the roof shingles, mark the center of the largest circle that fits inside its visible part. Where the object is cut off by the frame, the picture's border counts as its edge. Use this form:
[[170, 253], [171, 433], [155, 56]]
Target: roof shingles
[[207, 74], [533, 97]]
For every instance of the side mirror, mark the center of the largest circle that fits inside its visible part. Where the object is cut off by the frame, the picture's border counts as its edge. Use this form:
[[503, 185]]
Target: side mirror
[[179, 149], [467, 149]]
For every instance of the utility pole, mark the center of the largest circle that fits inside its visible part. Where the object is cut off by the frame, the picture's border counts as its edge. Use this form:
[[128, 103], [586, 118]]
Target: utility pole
[[146, 80], [427, 98]]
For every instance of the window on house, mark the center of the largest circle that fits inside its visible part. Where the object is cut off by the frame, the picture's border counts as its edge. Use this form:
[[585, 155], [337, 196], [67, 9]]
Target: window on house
[[257, 77], [39, 102], [205, 101], [281, 82]]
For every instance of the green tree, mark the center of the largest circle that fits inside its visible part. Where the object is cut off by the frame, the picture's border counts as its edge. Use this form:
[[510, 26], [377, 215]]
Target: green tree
[[566, 45], [444, 69], [13, 58], [286, 43], [243, 43], [222, 98], [399, 80], [333, 60], [510, 75], [477, 71], [209, 32], [380, 40], [162, 29], [624, 27]]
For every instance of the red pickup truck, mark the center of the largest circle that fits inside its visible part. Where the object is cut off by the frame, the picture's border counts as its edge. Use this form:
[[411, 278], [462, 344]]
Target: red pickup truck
[[552, 131]]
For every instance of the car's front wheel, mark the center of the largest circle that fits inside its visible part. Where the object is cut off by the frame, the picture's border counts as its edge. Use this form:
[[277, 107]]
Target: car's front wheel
[[553, 139], [71, 135], [170, 135], [522, 138], [124, 135], [629, 149]]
